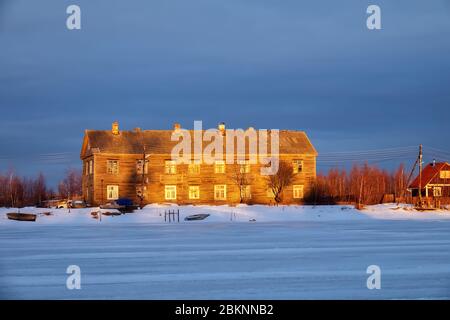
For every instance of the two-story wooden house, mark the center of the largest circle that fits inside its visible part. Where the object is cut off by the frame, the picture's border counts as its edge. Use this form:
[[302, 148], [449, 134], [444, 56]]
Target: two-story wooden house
[[137, 164]]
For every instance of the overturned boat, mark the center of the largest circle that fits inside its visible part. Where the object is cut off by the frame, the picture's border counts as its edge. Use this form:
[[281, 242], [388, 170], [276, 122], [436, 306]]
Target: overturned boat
[[196, 217], [21, 216]]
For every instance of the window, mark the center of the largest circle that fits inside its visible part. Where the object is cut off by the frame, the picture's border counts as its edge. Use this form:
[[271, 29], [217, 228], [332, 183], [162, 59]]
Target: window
[[91, 166], [219, 167], [220, 192], [113, 167], [170, 167], [86, 168], [194, 192], [140, 191], [139, 167], [246, 192], [297, 165], [194, 168], [445, 174], [244, 166], [298, 192], [171, 192], [437, 191], [270, 193], [112, 192]]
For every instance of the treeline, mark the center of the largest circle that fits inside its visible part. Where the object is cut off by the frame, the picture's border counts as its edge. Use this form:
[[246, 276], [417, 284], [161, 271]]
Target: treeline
[[17, 191], [362, 185]]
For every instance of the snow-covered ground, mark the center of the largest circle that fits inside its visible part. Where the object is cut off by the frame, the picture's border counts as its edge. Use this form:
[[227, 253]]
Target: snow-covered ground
[[296, 252]]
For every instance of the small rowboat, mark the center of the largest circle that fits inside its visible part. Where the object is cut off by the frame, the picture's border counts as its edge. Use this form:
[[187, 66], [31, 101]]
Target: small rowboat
[[196, 217], [21, 216]]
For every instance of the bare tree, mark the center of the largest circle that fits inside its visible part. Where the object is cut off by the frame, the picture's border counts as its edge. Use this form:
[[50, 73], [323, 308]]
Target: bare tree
[[280, 180], [70, 186], [241, 178], [40, 189]]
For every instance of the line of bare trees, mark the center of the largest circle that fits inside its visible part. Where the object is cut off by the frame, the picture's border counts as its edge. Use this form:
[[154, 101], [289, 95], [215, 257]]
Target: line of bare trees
[[17, 191], [363, 184]]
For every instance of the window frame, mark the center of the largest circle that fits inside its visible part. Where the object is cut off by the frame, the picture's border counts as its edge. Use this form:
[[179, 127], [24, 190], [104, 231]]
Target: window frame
[[110, 170], [444, 174], [244, 166], [296, 164], [190, 193], [219, 164], [224, 191], [298, 191], [437, 193], [139, 166], [194, 165], [170, 167], [247, 192], [174, 191], [91, 166], [116, 188]]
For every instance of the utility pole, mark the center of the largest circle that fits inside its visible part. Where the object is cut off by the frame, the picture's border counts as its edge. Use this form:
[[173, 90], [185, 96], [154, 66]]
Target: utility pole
[[144, 159], [420, 174], [143, 167]]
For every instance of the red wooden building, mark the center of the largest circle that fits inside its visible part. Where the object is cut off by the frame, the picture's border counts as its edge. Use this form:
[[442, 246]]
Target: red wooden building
[[434, 183]]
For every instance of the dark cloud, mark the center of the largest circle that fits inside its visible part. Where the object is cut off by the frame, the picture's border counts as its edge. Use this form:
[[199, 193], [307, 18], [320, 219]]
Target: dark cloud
[[298, 65]]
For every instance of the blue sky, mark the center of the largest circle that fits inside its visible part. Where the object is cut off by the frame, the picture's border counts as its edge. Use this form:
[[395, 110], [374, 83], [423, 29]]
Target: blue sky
[[306, 65]]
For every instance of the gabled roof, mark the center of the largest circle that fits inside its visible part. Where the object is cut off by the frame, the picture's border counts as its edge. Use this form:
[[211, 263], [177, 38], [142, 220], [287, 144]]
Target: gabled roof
[[159, 142], [428, 174]]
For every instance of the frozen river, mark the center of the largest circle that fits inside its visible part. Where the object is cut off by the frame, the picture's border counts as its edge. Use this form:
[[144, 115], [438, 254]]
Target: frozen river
[[266, 260]]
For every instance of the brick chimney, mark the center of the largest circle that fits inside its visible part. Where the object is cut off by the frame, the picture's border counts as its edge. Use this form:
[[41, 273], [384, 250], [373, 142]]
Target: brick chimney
[[222, 128], [176, 126], [115, 128]]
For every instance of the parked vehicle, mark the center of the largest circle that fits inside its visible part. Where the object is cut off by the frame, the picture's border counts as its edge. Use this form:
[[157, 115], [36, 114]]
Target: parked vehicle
[[78, 204], [124, 205], [63, 204], [127, 204], [49, 204]]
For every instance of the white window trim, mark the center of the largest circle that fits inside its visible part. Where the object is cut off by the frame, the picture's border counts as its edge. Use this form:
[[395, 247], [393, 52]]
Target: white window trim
[[295, 165], [244, 193], [197, 197], [171, 196], [91, 166], [437, 193], [108, 162], [219, 164], [298, 191], [445, 174], [140, 168], [170, 167], [194, 165], [216, 190], [244, 166], [115, 194]]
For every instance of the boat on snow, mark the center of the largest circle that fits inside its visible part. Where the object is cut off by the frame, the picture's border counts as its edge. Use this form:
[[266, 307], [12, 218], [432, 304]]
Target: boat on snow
[[196, 217], [21, 216]]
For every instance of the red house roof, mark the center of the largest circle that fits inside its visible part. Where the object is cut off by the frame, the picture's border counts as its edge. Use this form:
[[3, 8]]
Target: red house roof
[[428, 174]]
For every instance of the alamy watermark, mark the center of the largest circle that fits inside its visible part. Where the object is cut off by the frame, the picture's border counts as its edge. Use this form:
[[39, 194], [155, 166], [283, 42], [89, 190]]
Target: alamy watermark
[[228, 145], [73, 281], [73, 21], [374, 280]]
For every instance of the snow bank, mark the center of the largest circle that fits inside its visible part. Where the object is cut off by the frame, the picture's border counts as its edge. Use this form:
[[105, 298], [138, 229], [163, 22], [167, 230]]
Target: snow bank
[[226, 214]]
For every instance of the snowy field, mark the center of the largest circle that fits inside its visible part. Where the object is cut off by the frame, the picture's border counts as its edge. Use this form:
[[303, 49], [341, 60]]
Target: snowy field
[[287, 253]]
